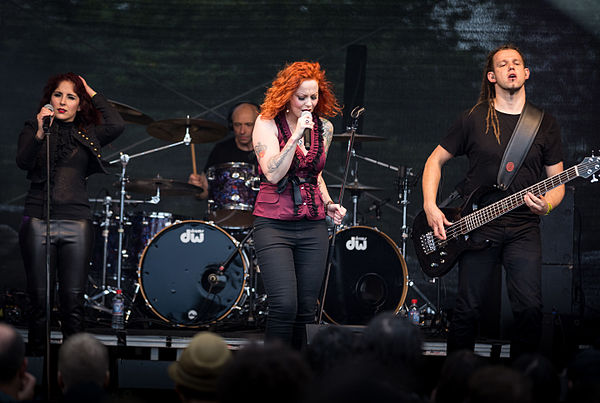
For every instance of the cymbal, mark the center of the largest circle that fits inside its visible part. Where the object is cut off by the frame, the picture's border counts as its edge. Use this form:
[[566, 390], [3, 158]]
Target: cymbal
[[357, 137], [168, 187], [355, 187], [173, 130], [130, 114]]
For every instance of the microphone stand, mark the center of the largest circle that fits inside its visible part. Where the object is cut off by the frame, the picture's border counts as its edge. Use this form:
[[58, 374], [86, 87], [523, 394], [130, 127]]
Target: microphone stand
[[48, 309], [355, 114]]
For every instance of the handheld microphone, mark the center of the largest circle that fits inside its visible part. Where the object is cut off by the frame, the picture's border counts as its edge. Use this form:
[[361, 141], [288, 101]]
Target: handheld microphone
[[47, 119], [307, 130]]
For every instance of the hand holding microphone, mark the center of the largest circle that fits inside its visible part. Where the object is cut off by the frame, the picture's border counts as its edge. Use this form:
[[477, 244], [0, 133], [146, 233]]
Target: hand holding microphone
[[306, 118], [44, 118]]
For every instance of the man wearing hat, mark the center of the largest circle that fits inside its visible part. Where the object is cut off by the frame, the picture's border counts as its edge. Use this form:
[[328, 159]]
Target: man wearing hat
[[199, 367]]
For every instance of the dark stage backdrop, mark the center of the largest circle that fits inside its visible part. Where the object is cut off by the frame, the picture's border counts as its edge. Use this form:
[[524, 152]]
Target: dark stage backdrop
[[423, 67]]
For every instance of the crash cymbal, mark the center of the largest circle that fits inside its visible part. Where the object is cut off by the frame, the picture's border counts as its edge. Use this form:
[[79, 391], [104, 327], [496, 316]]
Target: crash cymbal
[[130, 114], [355, 187], [168, 187], [357, 137], [173, 130]]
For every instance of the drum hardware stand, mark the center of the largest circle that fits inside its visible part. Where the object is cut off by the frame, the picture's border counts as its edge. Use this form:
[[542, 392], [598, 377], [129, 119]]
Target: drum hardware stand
[[404, 184], [219, 278], [124, 160], [355, 114]]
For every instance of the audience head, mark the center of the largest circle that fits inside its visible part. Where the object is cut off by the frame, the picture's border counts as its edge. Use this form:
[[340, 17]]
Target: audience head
[[331, 345], [12, 357], [498, 384], [454, 376], [357, 381], [196, 372], [266, 373], [583, 377], [392, 339], [544, 378], [82, 360]]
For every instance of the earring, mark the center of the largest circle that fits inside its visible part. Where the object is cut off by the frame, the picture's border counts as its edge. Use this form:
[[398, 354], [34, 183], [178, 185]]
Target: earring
[[287, 110]]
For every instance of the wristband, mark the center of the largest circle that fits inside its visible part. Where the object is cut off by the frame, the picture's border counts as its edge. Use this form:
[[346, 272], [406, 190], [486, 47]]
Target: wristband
[[327, 205], [549, 208]]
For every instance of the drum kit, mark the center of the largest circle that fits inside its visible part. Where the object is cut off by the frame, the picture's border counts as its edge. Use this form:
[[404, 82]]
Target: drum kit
[[197, 273]]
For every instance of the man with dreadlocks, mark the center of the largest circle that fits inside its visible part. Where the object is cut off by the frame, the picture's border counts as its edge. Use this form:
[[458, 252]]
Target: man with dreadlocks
[[482, 134]]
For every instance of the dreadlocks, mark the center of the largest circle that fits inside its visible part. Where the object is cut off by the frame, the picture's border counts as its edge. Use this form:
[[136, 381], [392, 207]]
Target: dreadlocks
[[488, 91]]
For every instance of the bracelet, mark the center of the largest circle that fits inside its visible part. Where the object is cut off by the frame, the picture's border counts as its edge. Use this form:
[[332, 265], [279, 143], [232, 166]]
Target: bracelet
[[549, 208], [327, 205]]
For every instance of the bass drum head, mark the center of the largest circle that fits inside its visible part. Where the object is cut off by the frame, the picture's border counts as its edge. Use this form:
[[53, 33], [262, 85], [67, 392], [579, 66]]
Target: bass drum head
[[179, 274], [368, 276]]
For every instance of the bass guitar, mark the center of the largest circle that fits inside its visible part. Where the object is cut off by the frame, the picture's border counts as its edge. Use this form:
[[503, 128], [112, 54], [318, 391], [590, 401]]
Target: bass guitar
[[437, 257]]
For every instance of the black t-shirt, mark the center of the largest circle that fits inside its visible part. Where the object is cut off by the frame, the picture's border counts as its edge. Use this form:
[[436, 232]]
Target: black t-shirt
[[227, 151], [468, 137]]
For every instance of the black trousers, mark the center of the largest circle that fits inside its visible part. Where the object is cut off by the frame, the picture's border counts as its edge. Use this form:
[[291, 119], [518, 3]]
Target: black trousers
[[519, 250], [70, 250], [291, 257]]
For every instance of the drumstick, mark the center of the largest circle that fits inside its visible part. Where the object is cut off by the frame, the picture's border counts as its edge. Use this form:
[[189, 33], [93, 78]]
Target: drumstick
[[193, 159]]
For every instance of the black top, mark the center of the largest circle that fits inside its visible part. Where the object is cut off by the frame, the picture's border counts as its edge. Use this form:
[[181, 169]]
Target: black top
[[468, 137], [227, 151], [75, 154]]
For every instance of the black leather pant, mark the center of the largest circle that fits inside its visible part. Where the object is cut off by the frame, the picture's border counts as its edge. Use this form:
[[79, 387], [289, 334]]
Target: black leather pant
[[70, 249]]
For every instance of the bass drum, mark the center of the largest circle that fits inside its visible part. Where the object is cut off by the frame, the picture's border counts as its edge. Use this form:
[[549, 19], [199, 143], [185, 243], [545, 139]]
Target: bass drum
[[368, 276], [179, 274]]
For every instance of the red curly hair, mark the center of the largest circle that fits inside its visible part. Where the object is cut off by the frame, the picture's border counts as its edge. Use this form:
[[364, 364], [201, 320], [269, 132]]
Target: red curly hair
[[287, 82]]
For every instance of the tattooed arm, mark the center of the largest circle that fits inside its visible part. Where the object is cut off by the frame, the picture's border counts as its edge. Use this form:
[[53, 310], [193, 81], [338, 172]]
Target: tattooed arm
[[274, 162], [332, 209], [327, 133]]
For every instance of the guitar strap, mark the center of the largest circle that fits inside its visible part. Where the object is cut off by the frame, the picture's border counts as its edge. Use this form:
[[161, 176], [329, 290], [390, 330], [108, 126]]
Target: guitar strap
[[519, 144]]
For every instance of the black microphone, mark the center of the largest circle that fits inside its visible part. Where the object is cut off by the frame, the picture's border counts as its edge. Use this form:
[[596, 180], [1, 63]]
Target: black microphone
[[307, 130], [47, 119]]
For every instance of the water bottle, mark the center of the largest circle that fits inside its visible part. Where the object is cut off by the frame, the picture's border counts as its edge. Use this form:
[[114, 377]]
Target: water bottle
[[117, 311], [413, 313]]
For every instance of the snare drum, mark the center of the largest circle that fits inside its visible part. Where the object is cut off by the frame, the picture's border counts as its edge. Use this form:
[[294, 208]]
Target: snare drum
[[233, 187], [368, 276], [179, 274]]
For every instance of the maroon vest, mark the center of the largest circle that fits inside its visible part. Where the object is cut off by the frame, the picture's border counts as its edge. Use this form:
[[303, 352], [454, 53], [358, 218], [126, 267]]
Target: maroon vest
[[297, 194]]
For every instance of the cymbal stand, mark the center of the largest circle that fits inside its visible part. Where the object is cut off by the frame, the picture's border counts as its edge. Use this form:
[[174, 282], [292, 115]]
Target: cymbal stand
[[404, 184], [124, 160]]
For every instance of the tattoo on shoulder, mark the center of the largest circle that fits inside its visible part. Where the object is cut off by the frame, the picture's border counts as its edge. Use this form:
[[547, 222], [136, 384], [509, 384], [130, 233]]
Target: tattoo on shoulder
[[328, 133], [259, 150]]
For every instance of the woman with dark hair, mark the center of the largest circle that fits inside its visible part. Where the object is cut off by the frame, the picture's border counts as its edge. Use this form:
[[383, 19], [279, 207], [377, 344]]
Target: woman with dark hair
[[290, 233], [81, 122]]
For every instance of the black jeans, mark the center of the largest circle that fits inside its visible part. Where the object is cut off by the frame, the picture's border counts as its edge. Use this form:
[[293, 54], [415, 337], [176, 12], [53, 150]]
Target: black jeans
[[70, 249], [518, 249], [291, 257]]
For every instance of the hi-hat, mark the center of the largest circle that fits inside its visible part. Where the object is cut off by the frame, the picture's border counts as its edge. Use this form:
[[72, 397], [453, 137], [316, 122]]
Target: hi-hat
[[357, 137], [173, 130], [168, 187], [130, 114], [355, 187]]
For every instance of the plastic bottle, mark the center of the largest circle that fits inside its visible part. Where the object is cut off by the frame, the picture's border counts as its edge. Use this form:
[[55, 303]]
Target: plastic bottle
[[413, 313], [117, 311]]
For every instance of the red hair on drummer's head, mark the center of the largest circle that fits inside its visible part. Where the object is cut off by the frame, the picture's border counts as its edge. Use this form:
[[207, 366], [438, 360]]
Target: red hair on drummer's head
[[289, 79]]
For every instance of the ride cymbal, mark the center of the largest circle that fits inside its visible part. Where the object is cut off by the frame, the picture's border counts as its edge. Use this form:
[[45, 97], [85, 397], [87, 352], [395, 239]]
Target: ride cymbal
[[173, 130], [355, 187], [130, 114], [357, 137], [168, 187]]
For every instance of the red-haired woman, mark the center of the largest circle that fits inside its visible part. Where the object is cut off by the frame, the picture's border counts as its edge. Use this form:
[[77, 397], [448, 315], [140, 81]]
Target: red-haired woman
[[82, 121], [290, 233]]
